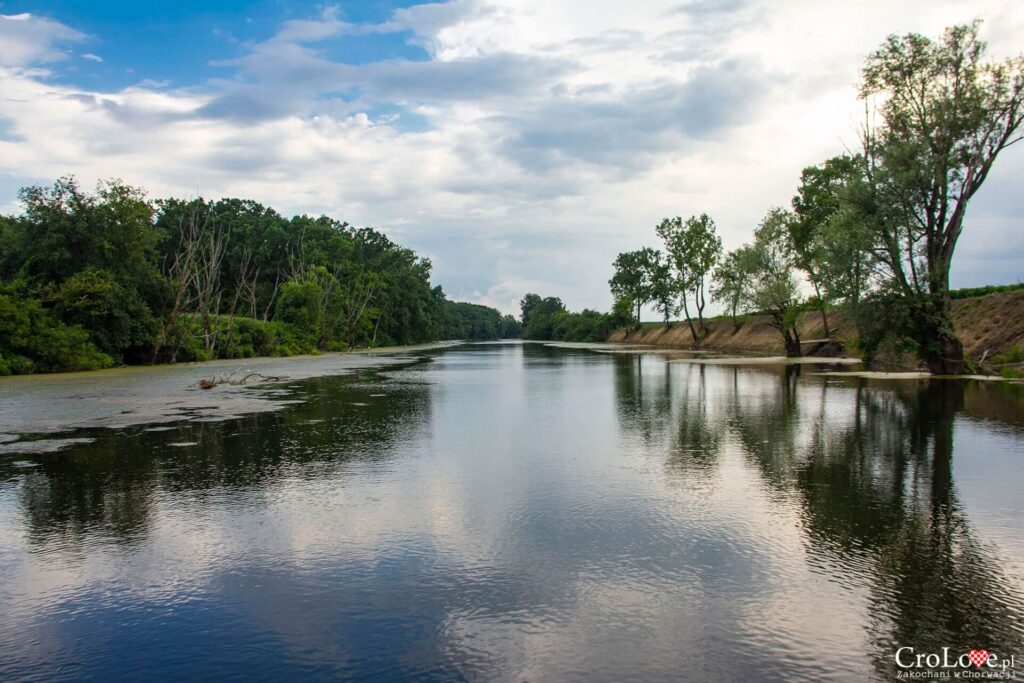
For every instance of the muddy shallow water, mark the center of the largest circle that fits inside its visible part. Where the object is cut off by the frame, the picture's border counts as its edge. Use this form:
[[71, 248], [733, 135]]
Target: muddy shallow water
[[122, 397], [525, 512]]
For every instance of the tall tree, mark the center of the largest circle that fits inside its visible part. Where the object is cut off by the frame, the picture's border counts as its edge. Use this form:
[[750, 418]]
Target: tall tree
[[662, 284], [631, 281], [527, 305], [772, 286], [946, 115], [732, 278], [694, 248]]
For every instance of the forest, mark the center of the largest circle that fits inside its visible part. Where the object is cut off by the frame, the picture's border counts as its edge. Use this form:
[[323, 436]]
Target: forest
[[90, 280]]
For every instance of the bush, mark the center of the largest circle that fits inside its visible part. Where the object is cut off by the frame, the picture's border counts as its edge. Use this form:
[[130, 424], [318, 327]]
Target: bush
[[33, 340], [117, 320], [236, 337]]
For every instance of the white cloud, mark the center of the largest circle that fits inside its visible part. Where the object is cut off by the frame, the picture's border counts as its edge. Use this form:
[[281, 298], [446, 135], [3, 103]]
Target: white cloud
[[92, 58], [538, 140], [26, 39]]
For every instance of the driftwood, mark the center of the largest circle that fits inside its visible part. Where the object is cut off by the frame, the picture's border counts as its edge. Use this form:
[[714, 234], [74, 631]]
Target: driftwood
[[211, 382]]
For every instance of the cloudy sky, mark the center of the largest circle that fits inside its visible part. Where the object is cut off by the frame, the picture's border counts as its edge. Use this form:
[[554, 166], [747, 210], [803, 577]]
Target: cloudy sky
[[520, 144]]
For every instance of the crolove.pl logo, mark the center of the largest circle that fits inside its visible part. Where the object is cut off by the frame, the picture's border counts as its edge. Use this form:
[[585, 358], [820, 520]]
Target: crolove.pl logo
[[975, 664]]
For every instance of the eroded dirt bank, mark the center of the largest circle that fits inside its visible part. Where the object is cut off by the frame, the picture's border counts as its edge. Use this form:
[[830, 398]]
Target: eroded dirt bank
[[992, 323]]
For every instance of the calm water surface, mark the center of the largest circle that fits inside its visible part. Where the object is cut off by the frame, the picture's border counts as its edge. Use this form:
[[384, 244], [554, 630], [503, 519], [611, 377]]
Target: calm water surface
[[522, 512]]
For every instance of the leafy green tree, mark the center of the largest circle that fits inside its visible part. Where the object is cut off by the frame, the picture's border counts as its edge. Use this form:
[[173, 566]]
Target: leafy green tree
[[10, 242], [117, 318], [632, 279], [662, 284], [33, 340], [831, 234], [772, 285], [473, 321], [94, 256], [527, 306], [540, 316], [946, 115], [732, 279], [300, 305], [694, 248], [510, 327]]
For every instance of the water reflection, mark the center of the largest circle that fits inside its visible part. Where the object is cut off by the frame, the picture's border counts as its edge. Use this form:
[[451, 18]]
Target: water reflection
[[108, 486], [872, 466], [501, 512]]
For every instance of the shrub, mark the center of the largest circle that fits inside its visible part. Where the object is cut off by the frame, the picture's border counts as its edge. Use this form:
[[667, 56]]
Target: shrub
[[970, 292], [236, 337], [33, 340], [116, 318]]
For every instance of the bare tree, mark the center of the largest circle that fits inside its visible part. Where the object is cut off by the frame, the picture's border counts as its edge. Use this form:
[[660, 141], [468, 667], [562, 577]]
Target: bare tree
[[248, 277], [207, 283], [179, 269]]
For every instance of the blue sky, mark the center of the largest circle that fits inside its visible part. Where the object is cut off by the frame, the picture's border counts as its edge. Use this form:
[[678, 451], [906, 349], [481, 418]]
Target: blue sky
[[520, 144], [180, 43]]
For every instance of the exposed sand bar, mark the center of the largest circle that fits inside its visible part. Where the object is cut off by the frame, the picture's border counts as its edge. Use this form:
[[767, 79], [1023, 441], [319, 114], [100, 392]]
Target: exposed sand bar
[[877, 374], [769, 360], [615, 347], [122, 397]]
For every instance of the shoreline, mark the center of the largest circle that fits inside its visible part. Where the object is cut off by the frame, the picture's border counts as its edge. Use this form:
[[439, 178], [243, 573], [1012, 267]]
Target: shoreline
[[33, 406], [145, 367], [710, 356]]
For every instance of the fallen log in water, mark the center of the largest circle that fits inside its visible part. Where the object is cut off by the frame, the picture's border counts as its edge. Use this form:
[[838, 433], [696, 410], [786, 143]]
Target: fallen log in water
[[211, 382]]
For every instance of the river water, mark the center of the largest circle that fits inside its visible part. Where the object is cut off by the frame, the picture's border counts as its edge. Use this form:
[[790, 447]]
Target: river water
[[526, 512]]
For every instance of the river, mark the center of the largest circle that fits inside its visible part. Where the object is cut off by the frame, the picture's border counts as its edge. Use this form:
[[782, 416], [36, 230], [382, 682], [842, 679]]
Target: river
[[522, 512]]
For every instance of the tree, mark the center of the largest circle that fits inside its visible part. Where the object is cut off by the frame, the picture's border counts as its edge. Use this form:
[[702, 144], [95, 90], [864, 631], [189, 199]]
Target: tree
[[817, 202], [527, 305], [946, 116], [731, 279], [772, 286], [662, 284], [94, 257], [694, 248], [831, 232], [631, 281], [540, 316]]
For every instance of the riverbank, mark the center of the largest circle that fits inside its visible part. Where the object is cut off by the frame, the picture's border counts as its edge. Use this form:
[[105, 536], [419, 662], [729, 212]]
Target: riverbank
[[32, 405], [988, 326]]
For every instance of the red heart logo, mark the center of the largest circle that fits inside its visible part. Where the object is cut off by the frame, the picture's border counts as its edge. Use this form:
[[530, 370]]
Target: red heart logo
[[977, 657]]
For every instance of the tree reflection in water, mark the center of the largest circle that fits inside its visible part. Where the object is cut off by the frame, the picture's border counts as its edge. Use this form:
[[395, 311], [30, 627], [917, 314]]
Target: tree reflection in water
[[871, 464], [107, 488]]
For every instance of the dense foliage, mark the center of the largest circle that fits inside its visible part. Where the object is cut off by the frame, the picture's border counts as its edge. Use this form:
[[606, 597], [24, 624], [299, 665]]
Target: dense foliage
[[90, 280], [547, 319]]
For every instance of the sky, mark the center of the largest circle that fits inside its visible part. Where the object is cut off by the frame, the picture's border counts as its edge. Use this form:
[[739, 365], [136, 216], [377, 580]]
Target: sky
[[519, 145]]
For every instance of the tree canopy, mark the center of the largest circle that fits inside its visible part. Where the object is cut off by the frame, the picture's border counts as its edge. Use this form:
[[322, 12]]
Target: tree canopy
[[94, 279]]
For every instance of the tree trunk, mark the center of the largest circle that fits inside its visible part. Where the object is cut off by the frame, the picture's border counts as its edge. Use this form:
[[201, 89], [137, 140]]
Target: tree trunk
[[943, 354], [698, 299], [790, 335], [791, 339], [821, 306], [689, 322], [938, 347]]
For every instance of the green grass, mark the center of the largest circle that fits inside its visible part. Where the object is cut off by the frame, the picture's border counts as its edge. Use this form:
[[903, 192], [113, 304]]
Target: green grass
[[970, 292]]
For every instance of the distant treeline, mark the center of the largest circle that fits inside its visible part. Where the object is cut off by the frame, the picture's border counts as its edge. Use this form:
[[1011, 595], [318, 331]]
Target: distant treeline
[[91, 280], [971, 292], [547, 319]]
